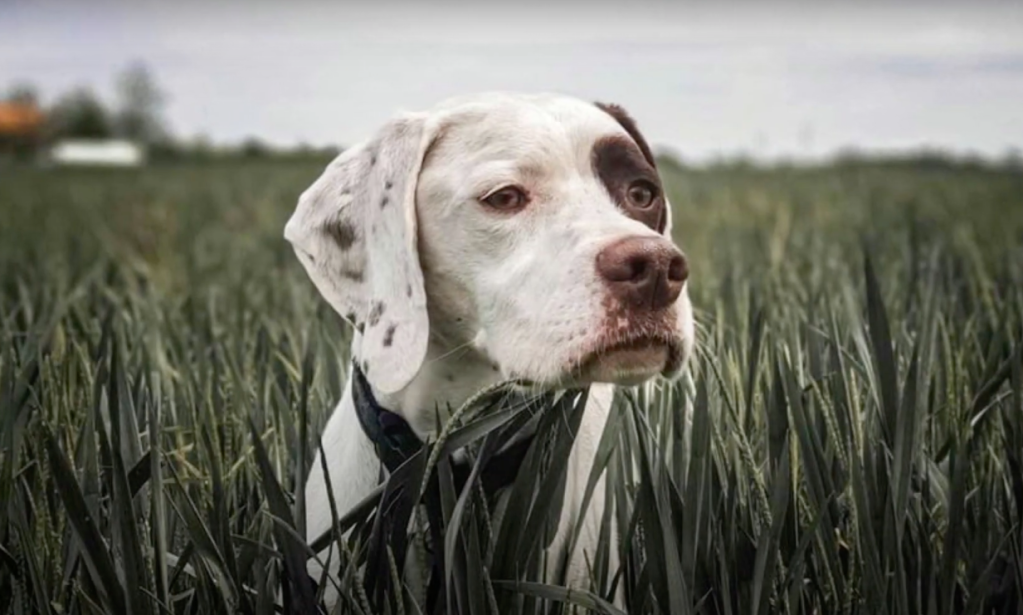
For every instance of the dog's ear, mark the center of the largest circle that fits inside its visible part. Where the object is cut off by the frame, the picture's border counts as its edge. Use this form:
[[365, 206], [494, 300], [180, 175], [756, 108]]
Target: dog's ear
[[355, 232]]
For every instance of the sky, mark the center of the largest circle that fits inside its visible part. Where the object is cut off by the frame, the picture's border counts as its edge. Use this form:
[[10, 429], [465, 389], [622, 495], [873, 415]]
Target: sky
[[768, 79]]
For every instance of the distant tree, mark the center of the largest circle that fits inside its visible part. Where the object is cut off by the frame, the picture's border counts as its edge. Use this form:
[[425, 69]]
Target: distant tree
[[253, 147], [201, 146], [23, 94], [1012, 160], [79, 114], [140, 102]]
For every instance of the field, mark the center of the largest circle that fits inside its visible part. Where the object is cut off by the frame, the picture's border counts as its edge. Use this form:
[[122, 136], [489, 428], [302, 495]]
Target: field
[[849, 438]]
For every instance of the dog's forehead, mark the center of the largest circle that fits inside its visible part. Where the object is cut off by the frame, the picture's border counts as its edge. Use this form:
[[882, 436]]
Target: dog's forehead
[[500, 120]]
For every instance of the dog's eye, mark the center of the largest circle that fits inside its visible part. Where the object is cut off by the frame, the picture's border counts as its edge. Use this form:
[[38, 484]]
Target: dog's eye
[[642, 194], [506, 199]]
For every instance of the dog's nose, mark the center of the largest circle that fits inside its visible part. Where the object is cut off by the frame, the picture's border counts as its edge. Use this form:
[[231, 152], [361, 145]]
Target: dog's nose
[[643, 272]]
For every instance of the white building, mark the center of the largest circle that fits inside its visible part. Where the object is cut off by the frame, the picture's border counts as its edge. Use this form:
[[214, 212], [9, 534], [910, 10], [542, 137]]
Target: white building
[[100, 152]]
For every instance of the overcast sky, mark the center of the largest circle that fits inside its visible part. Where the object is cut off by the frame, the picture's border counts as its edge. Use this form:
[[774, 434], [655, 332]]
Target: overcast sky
[[780, 79]]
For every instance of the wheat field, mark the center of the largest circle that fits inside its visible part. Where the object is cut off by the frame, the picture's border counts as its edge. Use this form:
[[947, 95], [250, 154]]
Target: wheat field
[[854, 440]]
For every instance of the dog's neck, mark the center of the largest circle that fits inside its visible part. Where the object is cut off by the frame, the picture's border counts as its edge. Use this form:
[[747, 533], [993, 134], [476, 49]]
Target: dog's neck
[[447, 379]]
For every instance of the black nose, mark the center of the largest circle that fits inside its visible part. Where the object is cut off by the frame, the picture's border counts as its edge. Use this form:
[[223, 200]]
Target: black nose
[[643, 272]]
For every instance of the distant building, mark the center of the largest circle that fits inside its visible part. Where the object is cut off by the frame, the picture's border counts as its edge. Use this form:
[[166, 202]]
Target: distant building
[[105, 152], [21, 129], [20, 119]]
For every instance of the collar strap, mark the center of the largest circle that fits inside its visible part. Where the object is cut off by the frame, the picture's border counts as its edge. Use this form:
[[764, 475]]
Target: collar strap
[[395, 442], [393, 439]]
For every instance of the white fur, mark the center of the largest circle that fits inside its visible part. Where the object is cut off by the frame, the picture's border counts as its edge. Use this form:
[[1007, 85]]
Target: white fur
[[470, 296]]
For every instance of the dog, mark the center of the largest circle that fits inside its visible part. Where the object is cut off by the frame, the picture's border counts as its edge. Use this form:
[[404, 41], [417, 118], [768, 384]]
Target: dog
[[497, 236]]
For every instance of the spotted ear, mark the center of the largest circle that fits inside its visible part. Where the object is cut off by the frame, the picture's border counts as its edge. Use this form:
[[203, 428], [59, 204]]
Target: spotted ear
[[625, 121], [354, 231]]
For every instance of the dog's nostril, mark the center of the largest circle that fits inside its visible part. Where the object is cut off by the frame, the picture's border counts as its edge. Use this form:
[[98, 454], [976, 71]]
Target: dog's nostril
[[616, 266], [638, 266], [678, 269]]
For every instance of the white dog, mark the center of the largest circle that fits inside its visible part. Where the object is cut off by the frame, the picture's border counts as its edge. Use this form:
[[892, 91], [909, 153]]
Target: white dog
[[497, 236]]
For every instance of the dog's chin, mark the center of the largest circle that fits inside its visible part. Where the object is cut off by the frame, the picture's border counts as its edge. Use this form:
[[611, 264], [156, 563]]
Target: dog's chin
[[627, 363]]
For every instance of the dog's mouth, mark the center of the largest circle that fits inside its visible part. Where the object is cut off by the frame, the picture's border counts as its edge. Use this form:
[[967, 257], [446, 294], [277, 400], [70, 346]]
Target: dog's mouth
[[629, 361]]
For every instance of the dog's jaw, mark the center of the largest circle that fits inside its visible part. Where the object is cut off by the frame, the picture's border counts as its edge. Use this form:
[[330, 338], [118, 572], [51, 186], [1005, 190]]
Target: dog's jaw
[[447, 379]]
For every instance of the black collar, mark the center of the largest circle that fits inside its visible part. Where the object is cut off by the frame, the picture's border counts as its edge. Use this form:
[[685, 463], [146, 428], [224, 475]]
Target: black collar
[[395, 442]]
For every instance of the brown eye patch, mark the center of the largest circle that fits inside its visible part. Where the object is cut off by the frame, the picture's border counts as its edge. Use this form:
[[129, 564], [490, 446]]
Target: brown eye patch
[[625, 121], [630, 180]]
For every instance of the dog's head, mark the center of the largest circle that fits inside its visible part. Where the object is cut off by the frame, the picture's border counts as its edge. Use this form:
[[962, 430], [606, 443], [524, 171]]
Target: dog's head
[[531, 229]]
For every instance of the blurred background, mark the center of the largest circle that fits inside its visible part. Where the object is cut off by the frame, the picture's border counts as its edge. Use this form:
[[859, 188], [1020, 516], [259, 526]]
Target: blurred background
[[771, 82]]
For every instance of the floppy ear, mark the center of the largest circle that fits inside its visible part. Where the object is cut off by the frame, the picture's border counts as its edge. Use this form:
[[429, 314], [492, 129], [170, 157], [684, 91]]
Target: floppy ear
[[355, 232]]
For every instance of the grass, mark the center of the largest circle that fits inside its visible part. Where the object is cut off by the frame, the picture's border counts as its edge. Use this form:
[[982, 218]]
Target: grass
[[849, 438]]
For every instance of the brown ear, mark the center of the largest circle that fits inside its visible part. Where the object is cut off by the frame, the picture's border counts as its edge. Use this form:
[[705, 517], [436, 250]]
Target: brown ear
[[629, 124]]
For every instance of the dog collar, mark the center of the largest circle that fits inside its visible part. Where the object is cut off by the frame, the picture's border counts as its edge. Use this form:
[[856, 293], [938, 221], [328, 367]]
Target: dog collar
[[395, 442], [392, 437]]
